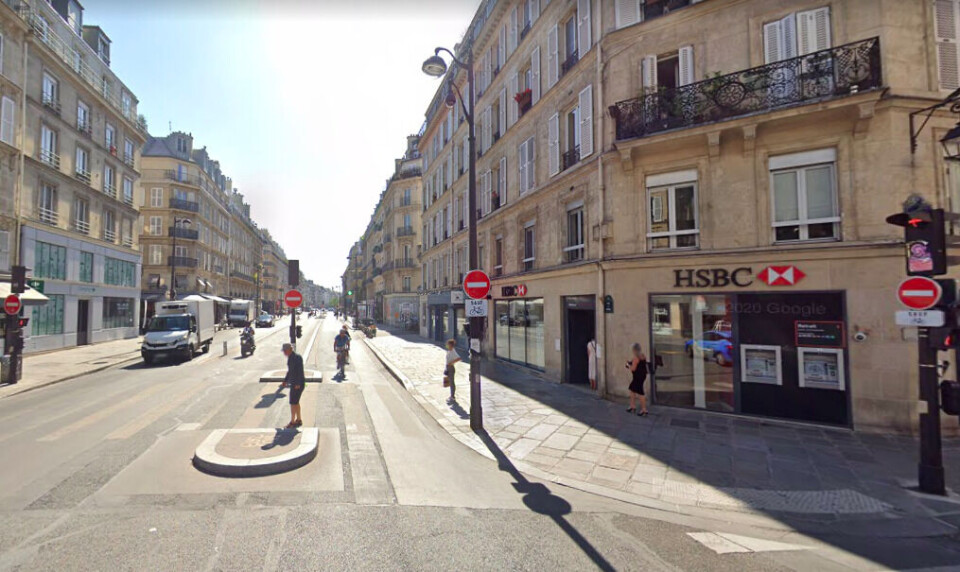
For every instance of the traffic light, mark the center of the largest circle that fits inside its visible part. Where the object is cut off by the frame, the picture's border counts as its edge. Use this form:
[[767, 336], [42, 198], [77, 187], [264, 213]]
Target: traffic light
[[299, 331], [943, 338], [18, 279], [950, 397], [293, 272], [924, 235], [22, 323], [349, 292]]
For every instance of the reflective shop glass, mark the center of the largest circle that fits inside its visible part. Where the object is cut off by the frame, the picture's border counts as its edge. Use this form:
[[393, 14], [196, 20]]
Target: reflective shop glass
[[47, 319], [118, 312], [519, 331]]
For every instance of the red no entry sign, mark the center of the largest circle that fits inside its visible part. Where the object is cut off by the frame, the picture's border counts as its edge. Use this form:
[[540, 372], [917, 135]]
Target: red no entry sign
[[476, 284], [11, 304], [293, 298], [919, 293]]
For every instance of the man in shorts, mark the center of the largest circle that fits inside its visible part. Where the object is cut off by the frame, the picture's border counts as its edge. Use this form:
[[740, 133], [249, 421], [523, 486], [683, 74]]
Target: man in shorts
[[295, 380]]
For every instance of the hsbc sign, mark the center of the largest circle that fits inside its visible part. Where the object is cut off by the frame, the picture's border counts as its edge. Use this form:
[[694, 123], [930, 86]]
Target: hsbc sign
[[776, 275]]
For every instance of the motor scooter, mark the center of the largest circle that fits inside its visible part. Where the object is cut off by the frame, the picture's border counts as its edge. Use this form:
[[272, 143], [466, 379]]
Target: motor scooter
[[247, 344]]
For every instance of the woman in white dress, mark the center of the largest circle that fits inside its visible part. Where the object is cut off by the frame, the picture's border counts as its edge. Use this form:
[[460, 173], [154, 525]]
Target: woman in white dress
[[592, 363]]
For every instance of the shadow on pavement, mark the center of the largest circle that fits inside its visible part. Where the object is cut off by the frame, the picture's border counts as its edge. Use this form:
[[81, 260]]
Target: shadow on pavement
[[538, 498], [282, 438], [268, 399], [458, 409]]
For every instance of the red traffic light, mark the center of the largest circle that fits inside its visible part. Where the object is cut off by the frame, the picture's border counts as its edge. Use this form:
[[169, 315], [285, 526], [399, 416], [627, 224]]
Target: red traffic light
[[912, 220], [22, 323]]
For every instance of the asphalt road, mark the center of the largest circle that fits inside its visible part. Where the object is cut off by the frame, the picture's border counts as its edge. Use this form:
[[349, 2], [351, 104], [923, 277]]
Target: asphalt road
[[97, 475]]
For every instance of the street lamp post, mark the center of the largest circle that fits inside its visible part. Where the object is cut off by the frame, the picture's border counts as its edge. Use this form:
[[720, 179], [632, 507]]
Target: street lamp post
[[435, 66], [177, 223]]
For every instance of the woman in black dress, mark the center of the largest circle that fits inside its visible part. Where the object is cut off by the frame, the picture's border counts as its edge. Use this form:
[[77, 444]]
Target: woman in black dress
[[638, 367]]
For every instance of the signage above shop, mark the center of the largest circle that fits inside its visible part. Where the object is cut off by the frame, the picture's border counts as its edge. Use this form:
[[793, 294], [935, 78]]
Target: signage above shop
[[509, 291], [780, 275]]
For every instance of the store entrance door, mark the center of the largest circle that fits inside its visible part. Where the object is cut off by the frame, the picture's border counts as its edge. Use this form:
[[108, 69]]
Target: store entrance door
[[581, 321], [83, 322]]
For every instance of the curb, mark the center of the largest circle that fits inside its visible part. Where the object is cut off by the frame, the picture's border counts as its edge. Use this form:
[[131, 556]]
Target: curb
[[209, 461], [73, 376], [782, 522]]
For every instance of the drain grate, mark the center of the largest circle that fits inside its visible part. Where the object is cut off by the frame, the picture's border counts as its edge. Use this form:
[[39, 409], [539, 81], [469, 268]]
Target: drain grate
[[685, 423]]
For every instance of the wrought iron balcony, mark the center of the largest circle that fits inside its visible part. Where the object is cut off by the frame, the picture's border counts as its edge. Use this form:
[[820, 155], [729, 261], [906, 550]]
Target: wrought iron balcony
[[180, 232], [387, 238], [827, 74], [241, 276], [184, 205], [50, 158], [109, 189], [568, 64], [405, 231], [128, 159], [51, 103], [85, 128], [524, 101], [570, 158], [128, 200], [83, 175], [184, 261]]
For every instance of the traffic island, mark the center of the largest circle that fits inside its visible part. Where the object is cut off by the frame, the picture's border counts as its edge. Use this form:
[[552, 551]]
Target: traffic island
[[256, 452], [278, 375]]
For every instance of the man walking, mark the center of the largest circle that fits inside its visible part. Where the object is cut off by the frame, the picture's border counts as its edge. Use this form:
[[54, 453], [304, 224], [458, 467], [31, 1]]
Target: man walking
[[295, 380]]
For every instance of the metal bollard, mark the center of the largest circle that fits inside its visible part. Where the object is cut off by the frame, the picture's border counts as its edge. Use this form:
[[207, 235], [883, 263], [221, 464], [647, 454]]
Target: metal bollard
[[224, 348]]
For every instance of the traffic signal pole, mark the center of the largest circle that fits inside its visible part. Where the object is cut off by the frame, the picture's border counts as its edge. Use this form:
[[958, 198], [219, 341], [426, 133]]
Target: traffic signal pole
[[930, 468]]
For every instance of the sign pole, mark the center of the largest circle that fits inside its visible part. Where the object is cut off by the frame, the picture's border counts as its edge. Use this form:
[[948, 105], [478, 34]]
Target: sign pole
[[930, 468]]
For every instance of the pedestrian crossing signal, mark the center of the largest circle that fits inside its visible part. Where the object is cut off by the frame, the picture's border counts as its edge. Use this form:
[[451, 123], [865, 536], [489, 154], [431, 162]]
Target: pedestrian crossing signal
[[299, 331]]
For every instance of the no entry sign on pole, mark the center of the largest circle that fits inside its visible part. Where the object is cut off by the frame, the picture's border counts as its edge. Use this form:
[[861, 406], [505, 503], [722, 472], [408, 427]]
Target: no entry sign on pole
[[476, 284], [919, 293], [293, 298], [11, 304]]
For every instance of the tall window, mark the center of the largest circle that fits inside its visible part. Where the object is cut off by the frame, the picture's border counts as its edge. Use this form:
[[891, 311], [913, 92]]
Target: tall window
[[51, 91], [81, 216], [83, 117], [805, 205], [8, 119], [128, 151], [156, 225], [109, 180], [50, 261], [48, 203], [529, 245], [527, 165], [109, 226], [86, 267], [47, 319], [48, 147], [127, 191], [672, 215], [156, 255], [83, 165], [118, 312], [406, 284], [156, 197], [110, 138], [119, 272], [575, 245], [126, 103], [498, 256]]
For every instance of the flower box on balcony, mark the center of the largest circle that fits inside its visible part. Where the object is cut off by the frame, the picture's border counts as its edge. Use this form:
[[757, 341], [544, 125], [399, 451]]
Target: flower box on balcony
[[524, 100]]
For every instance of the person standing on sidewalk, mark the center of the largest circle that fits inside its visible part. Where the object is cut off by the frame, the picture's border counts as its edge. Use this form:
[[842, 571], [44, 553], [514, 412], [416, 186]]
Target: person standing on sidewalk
[[592, 363], [295, 379], [638, 367], [449, 372]]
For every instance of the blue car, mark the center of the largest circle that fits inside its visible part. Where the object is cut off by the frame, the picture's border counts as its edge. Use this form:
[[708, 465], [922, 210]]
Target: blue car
[[715, 344]]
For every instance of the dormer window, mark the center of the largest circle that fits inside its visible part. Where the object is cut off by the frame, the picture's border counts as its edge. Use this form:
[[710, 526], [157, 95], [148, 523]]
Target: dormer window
[[181, 145]]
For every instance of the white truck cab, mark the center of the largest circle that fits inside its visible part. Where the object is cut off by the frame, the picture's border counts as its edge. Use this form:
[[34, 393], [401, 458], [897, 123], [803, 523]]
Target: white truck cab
[[179, 329]]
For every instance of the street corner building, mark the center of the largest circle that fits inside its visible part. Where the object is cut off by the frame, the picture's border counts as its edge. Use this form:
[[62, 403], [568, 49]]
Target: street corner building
[[708, 179], [70, 137]]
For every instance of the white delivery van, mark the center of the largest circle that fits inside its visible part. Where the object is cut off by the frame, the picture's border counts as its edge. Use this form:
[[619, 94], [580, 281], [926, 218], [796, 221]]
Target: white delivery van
[[179, 329], [241, 312]]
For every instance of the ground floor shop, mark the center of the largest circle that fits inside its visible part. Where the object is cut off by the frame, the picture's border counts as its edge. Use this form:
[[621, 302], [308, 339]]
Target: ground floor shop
[[92, 287], [442, 317], [401, 311], [803, 335]]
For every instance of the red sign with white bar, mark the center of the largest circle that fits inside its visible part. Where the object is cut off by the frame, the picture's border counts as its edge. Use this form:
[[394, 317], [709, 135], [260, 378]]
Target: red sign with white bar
[[919, 293], [476, 284], [293, 298], [11, 304]]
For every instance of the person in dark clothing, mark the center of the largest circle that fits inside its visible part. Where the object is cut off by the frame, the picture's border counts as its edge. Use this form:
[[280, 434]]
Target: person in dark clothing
[[296, 380], [638, 367]]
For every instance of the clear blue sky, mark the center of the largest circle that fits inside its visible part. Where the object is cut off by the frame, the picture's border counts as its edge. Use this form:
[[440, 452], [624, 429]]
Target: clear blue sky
[[306, 104]]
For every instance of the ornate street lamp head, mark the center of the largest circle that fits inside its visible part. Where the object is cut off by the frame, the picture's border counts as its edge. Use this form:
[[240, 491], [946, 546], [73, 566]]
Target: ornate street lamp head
[[951, 143], [451, 99], [434, 66]]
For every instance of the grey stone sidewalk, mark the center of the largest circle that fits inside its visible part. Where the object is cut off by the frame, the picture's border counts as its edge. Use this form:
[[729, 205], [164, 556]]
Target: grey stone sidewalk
[[807, 474]]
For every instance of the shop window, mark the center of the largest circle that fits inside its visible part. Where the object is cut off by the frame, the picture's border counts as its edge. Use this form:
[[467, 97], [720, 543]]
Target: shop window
[[672, 216], [805, 205], [48, 319], [86, 267], [118, 313], [520, 332], [50, 261]]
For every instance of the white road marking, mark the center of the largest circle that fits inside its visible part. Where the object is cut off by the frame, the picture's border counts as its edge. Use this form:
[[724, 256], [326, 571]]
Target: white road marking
[[724, 543]]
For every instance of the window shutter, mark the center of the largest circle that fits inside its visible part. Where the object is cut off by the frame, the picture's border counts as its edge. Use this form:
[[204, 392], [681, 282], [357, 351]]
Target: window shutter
[[553, 144], [449, 170], [465, 161], [535, 74], [456, 159], [487, 128], [503, 181], [772, 39], [813, 29], [513, 108], [488, 191], [502, 115], [586, 121], [523, 167], [648, 72], [628, 13], [449, 214], [583, 27], [7, 120], [948, 56], [553, 71], [534, 10], [686, 65], [531, 164], [512, 40], [788, 37], [502, 45], [465, 201]]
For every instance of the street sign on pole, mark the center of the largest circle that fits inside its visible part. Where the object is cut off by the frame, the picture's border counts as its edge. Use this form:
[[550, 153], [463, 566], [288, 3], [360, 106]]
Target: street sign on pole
[[475, 308], [921, 318], [476, 284], [919, 293], [11, 305], [293, 298]]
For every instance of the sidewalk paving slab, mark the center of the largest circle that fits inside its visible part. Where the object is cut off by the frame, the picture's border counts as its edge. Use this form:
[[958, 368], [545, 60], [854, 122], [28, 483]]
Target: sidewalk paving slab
[[810, 477]]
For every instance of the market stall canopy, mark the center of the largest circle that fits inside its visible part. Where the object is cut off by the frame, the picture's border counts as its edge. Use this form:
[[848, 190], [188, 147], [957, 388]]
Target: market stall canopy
[[29, 298]]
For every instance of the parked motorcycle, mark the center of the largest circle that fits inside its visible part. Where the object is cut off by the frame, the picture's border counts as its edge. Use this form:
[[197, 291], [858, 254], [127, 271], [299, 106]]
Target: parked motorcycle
[[247, 344]]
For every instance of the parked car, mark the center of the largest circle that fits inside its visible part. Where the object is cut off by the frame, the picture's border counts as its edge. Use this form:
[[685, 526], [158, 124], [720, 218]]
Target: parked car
[[713, 344], [265, 320]]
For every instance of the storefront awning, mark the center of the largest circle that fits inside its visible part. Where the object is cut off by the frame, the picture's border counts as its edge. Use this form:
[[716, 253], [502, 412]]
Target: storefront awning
[[29, 298]]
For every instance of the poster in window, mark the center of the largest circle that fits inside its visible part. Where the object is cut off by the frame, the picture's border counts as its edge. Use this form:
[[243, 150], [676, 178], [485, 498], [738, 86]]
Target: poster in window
[[760, 364], [821, 368]]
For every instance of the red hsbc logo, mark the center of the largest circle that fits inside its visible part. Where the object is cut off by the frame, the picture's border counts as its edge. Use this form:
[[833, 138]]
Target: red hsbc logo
[[781, 275]]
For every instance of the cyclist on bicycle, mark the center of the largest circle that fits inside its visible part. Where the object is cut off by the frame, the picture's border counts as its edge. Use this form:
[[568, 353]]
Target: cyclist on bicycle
[[341, 343]]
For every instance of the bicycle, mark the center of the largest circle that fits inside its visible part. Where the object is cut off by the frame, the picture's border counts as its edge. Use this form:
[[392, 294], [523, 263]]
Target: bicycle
[[341, 362]]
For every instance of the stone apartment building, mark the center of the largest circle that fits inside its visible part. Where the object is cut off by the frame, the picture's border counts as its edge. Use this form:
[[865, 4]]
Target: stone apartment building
[[70, 138], [246, 250], [273, 283], [708, 179], [352, 279]]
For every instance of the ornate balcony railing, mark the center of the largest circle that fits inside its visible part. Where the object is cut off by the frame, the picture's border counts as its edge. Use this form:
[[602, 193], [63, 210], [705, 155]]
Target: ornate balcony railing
[[184, 261], [827, 74], [184, 205], [405, 231], [241, 276], [181, 232], [570, 158]]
